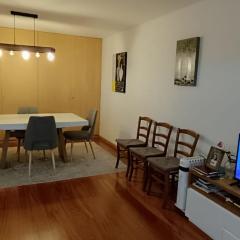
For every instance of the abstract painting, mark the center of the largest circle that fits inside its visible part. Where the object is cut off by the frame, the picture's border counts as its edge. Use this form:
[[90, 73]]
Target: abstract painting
[[187, 62], [120, 72]]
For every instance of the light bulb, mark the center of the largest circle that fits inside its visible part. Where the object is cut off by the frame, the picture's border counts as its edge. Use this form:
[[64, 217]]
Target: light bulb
[[1, 52], [25, 55], [50, 56], [11, 53], [37, 55]]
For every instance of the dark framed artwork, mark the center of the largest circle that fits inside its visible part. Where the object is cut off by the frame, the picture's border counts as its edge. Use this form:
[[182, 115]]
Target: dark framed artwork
[[119, 83], [187, 55], [214, 158]]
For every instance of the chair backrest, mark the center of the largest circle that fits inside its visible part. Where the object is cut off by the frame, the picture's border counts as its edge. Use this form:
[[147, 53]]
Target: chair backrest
[[92, 117], [144, 127], [41, 133], [161, 135], [27, 110], [183, 147]]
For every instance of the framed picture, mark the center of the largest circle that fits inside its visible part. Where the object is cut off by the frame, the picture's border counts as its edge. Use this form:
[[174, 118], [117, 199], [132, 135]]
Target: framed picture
[[214, 158], [120, 72], [187, 62]]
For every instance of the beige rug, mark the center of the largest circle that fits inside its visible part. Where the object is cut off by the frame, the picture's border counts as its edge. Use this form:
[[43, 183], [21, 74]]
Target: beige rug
[[83, 165]]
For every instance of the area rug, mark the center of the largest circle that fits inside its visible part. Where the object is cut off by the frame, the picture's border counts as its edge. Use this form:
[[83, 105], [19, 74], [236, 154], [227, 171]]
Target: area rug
[[82, 165]]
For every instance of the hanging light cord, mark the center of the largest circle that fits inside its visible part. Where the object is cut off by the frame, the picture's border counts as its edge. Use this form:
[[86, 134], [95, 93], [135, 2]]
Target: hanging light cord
[[14, 34], [14, 47], [34, 33]]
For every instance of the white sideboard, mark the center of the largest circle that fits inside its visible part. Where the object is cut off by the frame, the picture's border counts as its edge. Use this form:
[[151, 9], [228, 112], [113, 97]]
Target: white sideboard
[[210, 217]]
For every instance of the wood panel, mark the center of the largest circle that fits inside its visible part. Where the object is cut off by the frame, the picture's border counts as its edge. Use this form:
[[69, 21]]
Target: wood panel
[[55, 78], [18, 77], [87, 77], [69, 84]]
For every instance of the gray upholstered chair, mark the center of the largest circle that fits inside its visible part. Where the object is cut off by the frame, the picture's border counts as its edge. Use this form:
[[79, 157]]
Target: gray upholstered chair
[[19, 134], [41, 134], [85, 134]]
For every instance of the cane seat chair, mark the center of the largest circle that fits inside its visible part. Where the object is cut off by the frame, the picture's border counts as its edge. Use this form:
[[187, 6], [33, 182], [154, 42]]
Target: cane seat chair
[[164, 169], [123, 145], [160, 140]]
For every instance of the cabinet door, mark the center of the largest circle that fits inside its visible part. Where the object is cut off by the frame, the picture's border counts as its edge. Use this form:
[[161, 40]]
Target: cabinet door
[[55, 77], [18, 82], [212, 218], [86, 86], [226, 235], [230, 225], [202, 213]]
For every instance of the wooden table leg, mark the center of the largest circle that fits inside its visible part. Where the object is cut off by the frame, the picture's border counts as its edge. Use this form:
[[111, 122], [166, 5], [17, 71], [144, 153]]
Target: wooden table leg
[[4, 163], [61, 146]]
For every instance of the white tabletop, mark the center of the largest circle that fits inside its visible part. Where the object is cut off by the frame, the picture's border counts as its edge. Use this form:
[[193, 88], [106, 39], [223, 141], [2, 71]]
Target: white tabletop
[[20, 121]]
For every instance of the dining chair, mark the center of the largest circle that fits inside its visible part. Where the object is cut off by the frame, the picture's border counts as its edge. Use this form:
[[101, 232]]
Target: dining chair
[[19, 134], [84, 135], [41, 134], [123, 145], [164, 169], [139, 155]]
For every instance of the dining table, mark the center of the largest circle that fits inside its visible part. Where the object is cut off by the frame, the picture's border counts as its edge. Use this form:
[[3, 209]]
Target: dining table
[[12, 122]]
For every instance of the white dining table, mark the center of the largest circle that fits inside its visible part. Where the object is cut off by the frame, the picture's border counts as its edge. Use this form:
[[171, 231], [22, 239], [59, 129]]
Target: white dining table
[[11, 122]]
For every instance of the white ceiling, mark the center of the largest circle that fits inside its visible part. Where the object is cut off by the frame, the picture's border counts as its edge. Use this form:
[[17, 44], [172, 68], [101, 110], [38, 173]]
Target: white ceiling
[[97, 18]]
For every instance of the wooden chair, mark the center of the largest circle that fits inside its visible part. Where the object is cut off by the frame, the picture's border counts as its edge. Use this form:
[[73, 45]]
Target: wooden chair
[[123, 145], [164, 169], [139, 155]]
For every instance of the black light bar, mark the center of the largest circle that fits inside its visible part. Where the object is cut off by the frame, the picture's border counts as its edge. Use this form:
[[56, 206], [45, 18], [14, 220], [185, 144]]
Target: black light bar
[[16, 47], [22, 14]]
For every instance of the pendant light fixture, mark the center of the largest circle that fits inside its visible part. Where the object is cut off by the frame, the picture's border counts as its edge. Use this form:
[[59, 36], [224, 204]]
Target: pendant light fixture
[[27, 49]]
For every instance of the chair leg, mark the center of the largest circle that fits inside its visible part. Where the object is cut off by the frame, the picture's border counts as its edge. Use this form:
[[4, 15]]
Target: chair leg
[[118, 156], [145, 179], [90, 143], [86, 146], [26, 154], [44, 154], [71, 152], [166, 189], [53, 160], [131, 166], [128, 163], [18, 149], [149, 185], [29, 163], [150, 180], [173, 180]]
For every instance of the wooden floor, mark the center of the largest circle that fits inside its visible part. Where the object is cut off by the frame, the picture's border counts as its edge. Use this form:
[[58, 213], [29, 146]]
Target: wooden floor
[[100, 207]]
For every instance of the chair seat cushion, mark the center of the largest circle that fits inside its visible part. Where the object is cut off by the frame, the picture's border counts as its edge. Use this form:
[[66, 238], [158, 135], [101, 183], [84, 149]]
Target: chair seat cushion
[[164, 163], [127, 143], [41, 146], [76, 135], [145, 152]]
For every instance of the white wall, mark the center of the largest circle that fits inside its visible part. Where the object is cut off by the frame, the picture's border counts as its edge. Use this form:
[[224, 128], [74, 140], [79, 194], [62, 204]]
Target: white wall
[[211, 108]]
